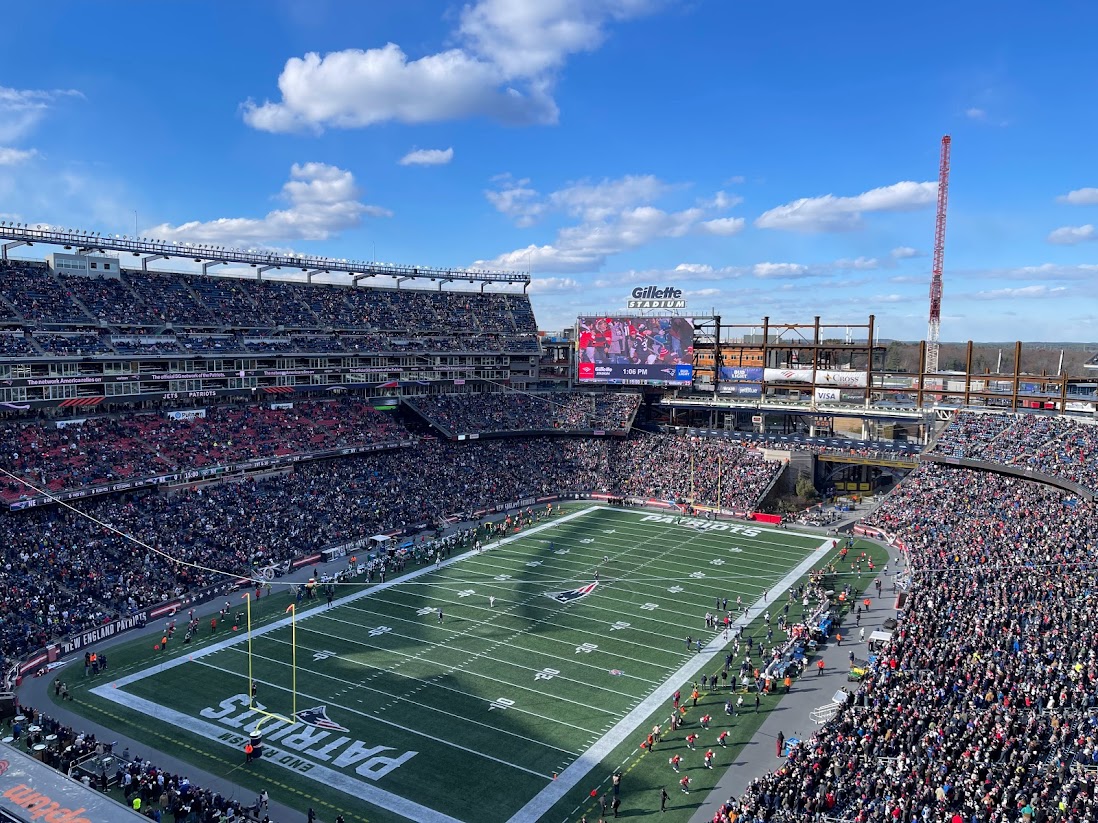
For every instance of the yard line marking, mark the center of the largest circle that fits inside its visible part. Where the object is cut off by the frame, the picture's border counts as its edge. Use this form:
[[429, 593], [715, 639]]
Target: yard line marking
[[185, 655], [533, 603], [539, 805], [484, 655], [373, 716], [461, 667]]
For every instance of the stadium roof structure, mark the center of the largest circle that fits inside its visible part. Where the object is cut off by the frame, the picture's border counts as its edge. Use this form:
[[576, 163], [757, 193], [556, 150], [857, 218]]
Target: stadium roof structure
[[1092, 363], [19, 234]]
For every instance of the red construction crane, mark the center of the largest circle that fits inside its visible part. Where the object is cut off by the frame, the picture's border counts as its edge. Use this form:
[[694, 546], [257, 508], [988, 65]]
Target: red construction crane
[[935, 325]]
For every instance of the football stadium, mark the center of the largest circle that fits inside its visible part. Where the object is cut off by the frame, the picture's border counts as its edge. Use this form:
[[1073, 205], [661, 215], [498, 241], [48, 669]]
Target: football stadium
[[569, 533]]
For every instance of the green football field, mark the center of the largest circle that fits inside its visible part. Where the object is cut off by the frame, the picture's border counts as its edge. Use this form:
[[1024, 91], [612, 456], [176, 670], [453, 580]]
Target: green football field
[[555, 650]]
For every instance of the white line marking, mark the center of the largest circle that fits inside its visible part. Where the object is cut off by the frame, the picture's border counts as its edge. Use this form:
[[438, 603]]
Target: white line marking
[[544, 800]]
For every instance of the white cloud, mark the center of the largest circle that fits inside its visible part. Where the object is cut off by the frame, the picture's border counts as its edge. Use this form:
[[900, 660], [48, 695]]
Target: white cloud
[[517, 200], [615, 215], [504, 67], [543, 285], [904, 253], [542, 258], [831, 213], [529, 40], [1070, 235], [858, 263], [780, 270], [355, 88], [721, 201], [699, 269], [629, 229], [597, 201], [427, 157], [1043, 271], [1080, 197], [323, 200], [975, 113], [1024, 292], [735, 180], [12, 157], [723, 226], [21, 110], [887, 298]]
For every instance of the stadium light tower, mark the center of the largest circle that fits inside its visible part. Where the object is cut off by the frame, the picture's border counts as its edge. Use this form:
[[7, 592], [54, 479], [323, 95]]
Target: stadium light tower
[[935, 324]]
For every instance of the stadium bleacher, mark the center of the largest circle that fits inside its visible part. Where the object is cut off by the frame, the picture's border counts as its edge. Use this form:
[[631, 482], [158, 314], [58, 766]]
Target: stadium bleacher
[[143, 302], [57, 557], [982, 708], [509, 412], [1059, 447], [102, 449]]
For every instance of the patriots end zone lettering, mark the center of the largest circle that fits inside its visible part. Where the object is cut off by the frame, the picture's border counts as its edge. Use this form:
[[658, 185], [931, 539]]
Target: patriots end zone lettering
[[309, 736], [702, 525]]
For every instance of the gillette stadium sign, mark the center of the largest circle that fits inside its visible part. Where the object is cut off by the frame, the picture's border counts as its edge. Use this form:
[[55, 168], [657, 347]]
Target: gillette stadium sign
[[653, 297]]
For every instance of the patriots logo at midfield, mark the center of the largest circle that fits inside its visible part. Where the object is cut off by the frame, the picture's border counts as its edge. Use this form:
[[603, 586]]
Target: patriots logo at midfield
[[573, 594], [318, 717]]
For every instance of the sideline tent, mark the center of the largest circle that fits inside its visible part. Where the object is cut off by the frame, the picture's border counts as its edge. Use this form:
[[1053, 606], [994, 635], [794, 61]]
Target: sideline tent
[[380, 543]]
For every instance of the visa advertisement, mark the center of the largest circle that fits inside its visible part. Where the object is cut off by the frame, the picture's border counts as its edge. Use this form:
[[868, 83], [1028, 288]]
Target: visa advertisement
[[635, 349]]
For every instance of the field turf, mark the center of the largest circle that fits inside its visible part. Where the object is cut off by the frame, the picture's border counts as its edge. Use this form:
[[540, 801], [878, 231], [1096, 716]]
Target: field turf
[[508, 709]]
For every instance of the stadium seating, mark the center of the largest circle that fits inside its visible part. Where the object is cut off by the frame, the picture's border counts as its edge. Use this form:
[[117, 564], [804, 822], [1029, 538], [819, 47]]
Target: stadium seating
[[390, 318], [984, 702], [1059, 447], [144, 445], [64, 573], [521, 411]]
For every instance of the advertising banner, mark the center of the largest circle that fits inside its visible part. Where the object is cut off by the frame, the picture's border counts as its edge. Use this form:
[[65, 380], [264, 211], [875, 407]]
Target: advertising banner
[[642, 349], [740, 390], [827, 395], [824, 377], [740, 374]]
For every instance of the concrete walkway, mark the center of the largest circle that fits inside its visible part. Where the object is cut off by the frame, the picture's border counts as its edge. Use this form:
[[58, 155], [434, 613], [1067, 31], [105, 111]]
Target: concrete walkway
[[37, 692], [792, 715]]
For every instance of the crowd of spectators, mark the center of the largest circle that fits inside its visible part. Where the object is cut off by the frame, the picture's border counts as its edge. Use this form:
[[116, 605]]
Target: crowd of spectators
[[707, 471], [71, 344], [14, 344], [983, 707], [99, 765], [1055, 446], [35, 294], [139, 298], [62, 572], [116, 447], [513, 411]]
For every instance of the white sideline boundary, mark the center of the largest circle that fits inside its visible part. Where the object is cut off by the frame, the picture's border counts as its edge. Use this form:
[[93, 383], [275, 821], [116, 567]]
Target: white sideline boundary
[[540, 804], [350, 598], [349, 785]]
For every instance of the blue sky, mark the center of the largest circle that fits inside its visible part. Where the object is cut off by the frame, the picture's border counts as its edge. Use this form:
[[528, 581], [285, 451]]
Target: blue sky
[[768, 159]]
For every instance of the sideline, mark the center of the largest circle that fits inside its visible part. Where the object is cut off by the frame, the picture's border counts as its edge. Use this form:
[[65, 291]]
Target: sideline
[[543, 801], [104, 691]]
